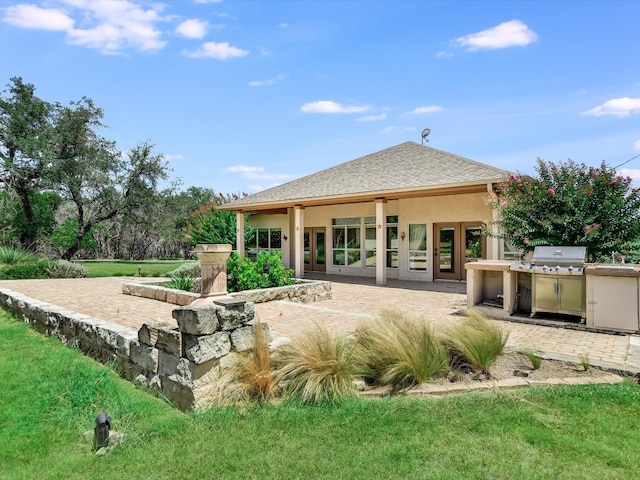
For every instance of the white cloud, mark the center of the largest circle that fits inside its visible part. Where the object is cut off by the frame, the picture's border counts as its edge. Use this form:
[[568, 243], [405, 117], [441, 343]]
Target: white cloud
[[327, 106], [257, 173], [171, 158], [423, 110], [443, 54], [372, 118], [637, 145], [219, 51], [619, 107], [32, 16], [265, 52], [283, 25], [108, 26], [271, 81], [192, 28], [208, 1], [630, 172], [507, 34]]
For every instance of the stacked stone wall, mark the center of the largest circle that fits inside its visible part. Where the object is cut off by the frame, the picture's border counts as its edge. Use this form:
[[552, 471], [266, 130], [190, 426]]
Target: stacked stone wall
[[185, 363], [305, 291]]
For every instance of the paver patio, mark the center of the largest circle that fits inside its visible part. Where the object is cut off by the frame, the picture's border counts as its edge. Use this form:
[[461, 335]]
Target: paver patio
[[354, 300]]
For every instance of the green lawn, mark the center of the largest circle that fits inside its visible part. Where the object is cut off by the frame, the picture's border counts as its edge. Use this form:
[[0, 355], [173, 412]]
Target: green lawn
[[121, 268], [50, 395]]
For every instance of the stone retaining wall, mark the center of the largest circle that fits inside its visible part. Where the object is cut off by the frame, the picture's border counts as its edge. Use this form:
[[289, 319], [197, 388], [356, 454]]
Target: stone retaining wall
[[305, 291], [185, 363]]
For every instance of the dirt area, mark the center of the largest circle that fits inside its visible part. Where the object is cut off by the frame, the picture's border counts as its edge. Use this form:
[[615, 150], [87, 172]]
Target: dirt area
[[511, 370], [512, 364]]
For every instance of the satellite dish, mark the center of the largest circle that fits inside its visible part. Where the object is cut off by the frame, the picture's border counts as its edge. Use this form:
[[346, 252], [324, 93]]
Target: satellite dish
[[425, 134]]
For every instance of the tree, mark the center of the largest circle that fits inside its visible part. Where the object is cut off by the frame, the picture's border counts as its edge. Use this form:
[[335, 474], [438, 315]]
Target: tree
[[95, 177], [208, 224], [569, 204], [26, 127]]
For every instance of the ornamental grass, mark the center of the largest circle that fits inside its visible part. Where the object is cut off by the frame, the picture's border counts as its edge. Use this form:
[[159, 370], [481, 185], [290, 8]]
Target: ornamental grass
[[251, 377], [474, 342], [398, 351], [316, 367]]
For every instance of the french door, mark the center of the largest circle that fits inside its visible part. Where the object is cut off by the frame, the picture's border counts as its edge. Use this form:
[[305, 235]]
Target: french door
[[315, 249], [455, 244]]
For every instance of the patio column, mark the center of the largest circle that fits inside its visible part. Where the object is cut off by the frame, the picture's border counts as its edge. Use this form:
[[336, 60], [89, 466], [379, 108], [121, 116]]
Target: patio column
[[298, 242], [381, 242], [240, 233], [495, 241]]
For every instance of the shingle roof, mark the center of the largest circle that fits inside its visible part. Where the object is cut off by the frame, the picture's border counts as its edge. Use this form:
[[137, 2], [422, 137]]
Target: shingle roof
[[405, 167]]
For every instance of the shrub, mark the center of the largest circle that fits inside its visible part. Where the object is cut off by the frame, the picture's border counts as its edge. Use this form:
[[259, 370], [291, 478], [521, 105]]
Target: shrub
[[399, 351], [181, 283], [13, 256], [569, 203], [251, 377], [316, 367], [25, 271], [66, 269], [265, 272], [188, 269], [474, 341]]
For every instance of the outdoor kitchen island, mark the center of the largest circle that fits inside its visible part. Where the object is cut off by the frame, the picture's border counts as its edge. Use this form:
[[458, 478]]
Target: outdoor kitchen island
[[609, 298]]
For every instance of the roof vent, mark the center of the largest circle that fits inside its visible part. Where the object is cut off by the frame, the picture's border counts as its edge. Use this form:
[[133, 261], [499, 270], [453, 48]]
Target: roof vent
[[425, 134]]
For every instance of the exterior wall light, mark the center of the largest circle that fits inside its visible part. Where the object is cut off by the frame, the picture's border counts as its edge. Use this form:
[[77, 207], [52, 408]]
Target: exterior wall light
[[402, 235]]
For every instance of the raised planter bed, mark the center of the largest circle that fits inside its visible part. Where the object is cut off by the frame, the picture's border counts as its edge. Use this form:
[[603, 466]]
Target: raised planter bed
[[304, 291]]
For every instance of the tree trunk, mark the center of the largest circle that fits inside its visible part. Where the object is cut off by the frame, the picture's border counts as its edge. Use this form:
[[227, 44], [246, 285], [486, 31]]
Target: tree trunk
[[28, 237]]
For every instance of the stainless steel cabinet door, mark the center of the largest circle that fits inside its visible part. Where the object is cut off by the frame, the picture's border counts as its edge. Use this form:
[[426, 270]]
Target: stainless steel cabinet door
[[546, 296], [571, 294]]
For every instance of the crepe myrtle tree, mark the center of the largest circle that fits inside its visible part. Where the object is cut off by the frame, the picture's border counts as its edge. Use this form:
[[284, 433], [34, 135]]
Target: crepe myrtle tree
[[568, 203]]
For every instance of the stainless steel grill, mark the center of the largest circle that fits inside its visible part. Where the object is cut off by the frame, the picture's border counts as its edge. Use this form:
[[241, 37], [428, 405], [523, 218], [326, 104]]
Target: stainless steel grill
[[557, 280]]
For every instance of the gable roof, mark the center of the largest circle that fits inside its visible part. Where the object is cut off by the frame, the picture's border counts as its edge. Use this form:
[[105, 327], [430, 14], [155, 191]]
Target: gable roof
[[404, 170]]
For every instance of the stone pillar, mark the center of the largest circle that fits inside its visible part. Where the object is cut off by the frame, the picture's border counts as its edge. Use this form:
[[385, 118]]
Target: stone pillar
[[213, 270], [494, 253]]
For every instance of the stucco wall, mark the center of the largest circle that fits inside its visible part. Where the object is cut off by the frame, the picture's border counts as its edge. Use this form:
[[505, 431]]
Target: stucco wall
[[471, 207]]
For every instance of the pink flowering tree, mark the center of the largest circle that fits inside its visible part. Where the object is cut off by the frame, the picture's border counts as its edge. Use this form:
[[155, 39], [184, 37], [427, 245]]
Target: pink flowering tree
[[571, 204]]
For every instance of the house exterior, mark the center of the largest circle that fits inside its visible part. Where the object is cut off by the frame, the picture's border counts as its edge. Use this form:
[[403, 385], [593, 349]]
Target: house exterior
[[409, 212]]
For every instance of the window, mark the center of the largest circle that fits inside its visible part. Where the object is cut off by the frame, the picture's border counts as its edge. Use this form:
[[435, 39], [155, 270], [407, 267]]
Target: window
[[392, 241], [264, 240], [346, 242], [417, 247]]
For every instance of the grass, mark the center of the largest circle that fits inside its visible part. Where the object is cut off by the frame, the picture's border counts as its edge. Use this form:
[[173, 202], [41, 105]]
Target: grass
[[121, 268], [316, 367], [399, 351], [50, 396], [475, 341], [584, 361], [13, 256], [533, 357], [251, 378]]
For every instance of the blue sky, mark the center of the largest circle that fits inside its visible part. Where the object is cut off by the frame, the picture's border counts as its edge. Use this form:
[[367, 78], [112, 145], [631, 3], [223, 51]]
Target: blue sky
[[244, 95]]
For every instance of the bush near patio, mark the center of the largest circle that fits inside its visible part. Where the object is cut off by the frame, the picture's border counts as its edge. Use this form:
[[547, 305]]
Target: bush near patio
[[569, 203], [266, 271], [18, 264]]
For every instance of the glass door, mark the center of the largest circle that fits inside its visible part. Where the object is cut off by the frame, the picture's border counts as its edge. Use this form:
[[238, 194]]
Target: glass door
[[455, 245], [315, 249], [445, 251]]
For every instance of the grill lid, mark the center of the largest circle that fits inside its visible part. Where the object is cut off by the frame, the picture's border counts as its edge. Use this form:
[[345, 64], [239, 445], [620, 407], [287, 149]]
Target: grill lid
[[559, 256]]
